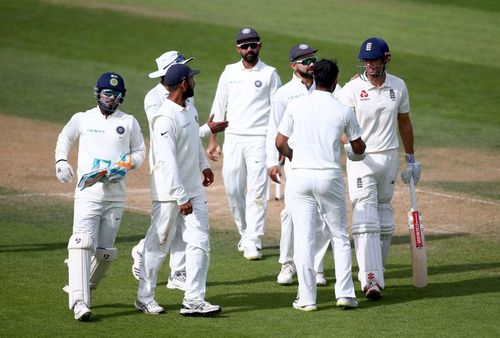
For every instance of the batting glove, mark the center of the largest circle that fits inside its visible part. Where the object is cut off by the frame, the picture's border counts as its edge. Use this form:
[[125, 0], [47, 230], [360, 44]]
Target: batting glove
[[64, 172], [119, 169], [351, 155], [412, 169]]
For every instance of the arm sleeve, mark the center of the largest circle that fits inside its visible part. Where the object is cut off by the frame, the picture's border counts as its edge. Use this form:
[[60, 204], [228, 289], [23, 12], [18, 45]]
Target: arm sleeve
[[166, 158], [205, 130], [286, 125], [274, 84], [352, 128], [203, 159], [404, 105], [345, 96], [219, 106], [137, 147], [67, 137], [277, 110]]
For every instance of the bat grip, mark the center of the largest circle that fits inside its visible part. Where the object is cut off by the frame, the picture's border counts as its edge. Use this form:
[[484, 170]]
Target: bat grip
[[413, 194]]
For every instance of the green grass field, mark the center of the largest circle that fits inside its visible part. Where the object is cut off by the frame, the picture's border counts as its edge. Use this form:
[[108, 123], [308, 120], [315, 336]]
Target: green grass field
[[51, 53]]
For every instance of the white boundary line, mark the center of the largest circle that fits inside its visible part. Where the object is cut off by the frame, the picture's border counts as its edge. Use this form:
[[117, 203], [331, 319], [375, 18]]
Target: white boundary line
[[458, 197]]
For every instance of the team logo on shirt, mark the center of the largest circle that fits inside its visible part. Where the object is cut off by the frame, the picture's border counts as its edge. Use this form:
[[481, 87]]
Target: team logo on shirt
[[258, 83], [196, 118], [363, 95], [392, 94], [120, 130]]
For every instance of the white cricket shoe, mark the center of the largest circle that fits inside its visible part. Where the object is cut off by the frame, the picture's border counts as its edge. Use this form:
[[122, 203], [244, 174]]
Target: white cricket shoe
[[305, 308], [240, 247], [137, 256], [177, 280], [252, 253], [151, 308], [285, 276], [320, 279], [199, 308], [372, 291], [82, 312], [346, 303]]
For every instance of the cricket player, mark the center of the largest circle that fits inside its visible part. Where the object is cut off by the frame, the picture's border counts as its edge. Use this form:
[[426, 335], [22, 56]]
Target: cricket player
[[152, 102], [382, 106], [302, 58], [317, 122], [109, 139], [244, 93], [179, 202]]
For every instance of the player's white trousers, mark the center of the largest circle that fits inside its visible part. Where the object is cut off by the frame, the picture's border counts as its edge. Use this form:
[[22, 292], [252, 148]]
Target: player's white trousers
[[323, 190], [165, 221], [100, 221], [286, 239], [371, 187], [245, 179]]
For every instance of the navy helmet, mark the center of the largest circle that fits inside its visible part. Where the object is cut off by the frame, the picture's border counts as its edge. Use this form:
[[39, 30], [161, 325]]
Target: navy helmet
[[374, 49], [113, 88]]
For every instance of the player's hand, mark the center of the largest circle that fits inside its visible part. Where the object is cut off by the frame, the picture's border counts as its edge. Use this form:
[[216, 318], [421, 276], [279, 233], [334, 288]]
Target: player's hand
[[208, 177], [412, 169], [216, 127], [186, 208], [213, 152], [64, 172], [351, 154], [274, 173], [119, 169]]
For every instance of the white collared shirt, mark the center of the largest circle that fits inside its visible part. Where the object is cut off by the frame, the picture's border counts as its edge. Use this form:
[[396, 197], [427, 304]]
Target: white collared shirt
[[103, 139], [245, 96], [178, 156], [377, 109], [316, 122]]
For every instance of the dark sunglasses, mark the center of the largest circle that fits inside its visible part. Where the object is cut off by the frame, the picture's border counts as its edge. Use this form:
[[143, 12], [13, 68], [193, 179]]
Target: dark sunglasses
[[111, 92], [252, 45], [307, 61]]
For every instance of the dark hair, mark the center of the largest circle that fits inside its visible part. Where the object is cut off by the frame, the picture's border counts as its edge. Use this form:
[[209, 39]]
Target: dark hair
[[325, 72]]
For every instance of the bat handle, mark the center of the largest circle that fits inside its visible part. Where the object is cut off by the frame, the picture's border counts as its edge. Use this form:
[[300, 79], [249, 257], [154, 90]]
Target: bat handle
[[413, 194]]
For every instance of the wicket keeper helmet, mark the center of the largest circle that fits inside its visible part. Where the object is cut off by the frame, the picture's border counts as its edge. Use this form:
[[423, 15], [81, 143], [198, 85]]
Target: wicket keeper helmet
[[113, 90], [374, 49]]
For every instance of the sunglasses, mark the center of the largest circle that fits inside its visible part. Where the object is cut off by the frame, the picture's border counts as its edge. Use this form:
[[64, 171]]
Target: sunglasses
[[307, 61], [111, 92], [252, 45]]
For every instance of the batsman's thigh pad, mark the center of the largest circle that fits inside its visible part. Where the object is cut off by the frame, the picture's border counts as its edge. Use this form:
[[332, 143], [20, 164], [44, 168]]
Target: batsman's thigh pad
[[369, 256], [80, 248], [365, 218], [100, 263]]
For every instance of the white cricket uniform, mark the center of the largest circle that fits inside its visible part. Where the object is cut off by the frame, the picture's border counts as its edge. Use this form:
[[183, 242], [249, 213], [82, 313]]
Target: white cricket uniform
[[152, 102], [177, 157], [244, 95], [371, 181], [98, 209], [289, 92], [317, 122]]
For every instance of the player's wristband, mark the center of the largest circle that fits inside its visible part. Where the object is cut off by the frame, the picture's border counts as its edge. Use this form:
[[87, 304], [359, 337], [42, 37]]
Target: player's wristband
[[61, 160], [410, 158]]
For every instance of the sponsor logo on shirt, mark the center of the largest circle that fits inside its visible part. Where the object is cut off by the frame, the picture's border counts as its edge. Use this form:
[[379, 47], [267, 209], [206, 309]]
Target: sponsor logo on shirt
[[258, 83], [364, 95], [196, 118], [235, 82], [185, 125], [96, 131], [120, 130]]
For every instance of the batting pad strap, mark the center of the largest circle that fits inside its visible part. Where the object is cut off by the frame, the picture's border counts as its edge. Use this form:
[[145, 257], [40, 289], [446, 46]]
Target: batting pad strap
[[365, 219]]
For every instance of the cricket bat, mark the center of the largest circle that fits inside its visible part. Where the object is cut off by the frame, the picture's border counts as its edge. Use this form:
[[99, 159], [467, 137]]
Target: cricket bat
[[417, 241]]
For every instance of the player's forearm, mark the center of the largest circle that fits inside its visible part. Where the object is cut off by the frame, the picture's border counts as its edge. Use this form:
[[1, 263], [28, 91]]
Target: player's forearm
[[406, 132], [283, 147]]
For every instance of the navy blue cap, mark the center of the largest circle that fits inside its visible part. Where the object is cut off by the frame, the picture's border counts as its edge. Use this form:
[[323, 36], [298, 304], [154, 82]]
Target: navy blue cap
[[300, 50], [111, 80], [178, 73], [247, 33]]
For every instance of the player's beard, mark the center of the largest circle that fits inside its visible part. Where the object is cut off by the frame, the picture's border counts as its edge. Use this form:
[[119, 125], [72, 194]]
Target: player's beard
[[305, 75], [251, 57], [188, 93]]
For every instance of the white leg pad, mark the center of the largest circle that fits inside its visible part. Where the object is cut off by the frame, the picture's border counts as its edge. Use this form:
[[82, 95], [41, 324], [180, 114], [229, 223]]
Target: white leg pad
[[387, 227], [369, 256], [100, 263], [365, 218], [80, 248]]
